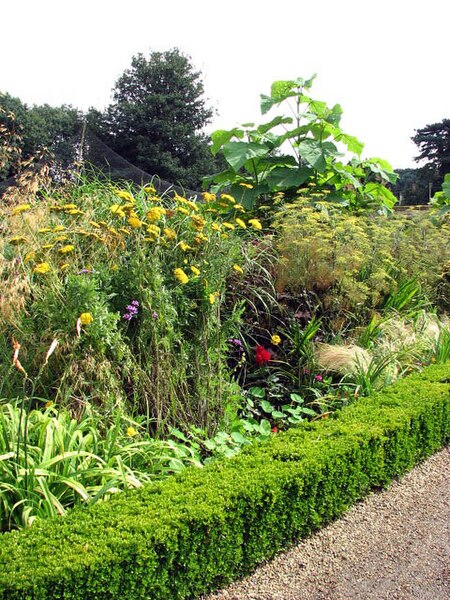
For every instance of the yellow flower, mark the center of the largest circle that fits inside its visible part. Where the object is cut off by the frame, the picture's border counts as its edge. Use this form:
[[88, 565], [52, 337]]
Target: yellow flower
[[198, 222], [185, 246], [228, 198], [61, 238], [69, 207], [131, 431], [64, 267], [255, 224], [86, 318], [215, 226], [275, 339], [207, 197], [200, 238], [241, 223], [135, 222], [228, 225], [20, 208], [195, 270], [94, 224], [75, 211], [59, 228], [29, 256], [44, 230], [153, 230], [42, 268], [181, 276], [182, 210], [47, 246], [16, 240], [246, 185], [149, 189], [67, 249], [116, 209], [125, 195], [170, 234], [239, 207], [212, 298], [155, 213], [124, 231], [238, 269]]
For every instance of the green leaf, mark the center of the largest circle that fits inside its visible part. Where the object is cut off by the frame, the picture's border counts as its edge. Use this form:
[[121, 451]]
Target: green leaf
[[352, 143], [296, 398], [276, 414], [265, 427], [238, 438], [266, 406], [238, 153], [257, 392], [286, 177], [315, 153], [280, 120], [222, 136]]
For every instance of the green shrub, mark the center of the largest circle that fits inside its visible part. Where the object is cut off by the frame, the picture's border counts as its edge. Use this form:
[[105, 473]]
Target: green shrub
[[201, 528]]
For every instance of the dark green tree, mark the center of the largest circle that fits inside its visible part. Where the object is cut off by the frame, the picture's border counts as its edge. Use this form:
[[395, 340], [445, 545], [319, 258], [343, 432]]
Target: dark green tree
[[156, 118], [414, 186], [433, 142], [31, 129]]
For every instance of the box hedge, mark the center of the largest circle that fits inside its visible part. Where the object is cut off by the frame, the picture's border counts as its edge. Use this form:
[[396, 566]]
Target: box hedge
[[199, 530]]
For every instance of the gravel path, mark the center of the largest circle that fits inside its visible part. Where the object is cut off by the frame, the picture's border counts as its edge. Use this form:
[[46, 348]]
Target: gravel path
[[393, 545]]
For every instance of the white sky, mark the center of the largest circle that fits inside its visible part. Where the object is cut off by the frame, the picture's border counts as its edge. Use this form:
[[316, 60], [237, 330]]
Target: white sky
[[385, 62]]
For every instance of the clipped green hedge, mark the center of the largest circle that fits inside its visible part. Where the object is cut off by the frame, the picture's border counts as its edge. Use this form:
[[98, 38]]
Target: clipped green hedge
[[201, 529]]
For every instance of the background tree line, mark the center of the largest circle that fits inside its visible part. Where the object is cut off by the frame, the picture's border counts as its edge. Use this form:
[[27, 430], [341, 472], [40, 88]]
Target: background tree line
[[156, 122]]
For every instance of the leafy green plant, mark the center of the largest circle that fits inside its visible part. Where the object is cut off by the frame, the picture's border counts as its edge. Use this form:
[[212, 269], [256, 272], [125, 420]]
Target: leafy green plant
[[66, 461], [303, 150]]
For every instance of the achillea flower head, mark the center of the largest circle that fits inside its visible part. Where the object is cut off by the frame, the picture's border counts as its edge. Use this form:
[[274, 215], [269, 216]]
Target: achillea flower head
[[20, 208], [255, 224], [67, 249], [42, 268], [86, 318], [275, 340], [181, 276]]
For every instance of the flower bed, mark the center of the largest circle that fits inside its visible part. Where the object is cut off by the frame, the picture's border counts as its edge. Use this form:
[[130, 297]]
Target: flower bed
[[202, 528]]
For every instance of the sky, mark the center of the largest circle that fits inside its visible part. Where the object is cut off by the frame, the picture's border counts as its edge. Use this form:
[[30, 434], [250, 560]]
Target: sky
[[384, 61]]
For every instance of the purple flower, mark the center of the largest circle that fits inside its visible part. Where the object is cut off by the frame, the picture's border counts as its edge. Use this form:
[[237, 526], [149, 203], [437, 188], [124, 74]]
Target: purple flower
[[127, 317], [135, 303], [318, 377], [154, 315], [236, 343], [132, 309]]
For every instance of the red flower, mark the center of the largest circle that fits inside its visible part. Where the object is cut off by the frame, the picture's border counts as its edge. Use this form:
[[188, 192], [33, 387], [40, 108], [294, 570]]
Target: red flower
[[262, 355], [275, 429]]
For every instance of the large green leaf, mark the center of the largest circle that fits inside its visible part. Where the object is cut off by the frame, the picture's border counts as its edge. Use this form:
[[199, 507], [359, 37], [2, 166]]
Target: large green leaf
[[315, 153], [282, 90], [352, 143], [238, 153], [381, 167], [222, 136], [274, 123], [285, 177]]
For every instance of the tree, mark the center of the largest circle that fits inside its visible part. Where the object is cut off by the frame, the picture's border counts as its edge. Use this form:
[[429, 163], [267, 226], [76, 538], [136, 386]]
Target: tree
[[31, 129], [413, 186], [156, 118], [434, 145]]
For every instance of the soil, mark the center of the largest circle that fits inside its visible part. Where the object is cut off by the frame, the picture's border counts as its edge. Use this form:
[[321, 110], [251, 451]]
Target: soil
[[394, 545]]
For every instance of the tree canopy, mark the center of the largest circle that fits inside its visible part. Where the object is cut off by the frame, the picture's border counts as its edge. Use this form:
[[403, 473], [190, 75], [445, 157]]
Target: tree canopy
[[156, 118], [30, 129], [433, 142]]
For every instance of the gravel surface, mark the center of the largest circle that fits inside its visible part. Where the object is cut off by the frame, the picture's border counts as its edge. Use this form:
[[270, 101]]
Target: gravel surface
[[393, 545]]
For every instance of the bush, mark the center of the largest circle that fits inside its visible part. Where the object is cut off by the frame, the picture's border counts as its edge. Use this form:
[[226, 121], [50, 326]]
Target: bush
[[198, 530]]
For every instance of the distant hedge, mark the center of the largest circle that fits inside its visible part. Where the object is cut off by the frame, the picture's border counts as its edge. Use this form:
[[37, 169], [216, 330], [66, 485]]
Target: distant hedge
[[201, 529]]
